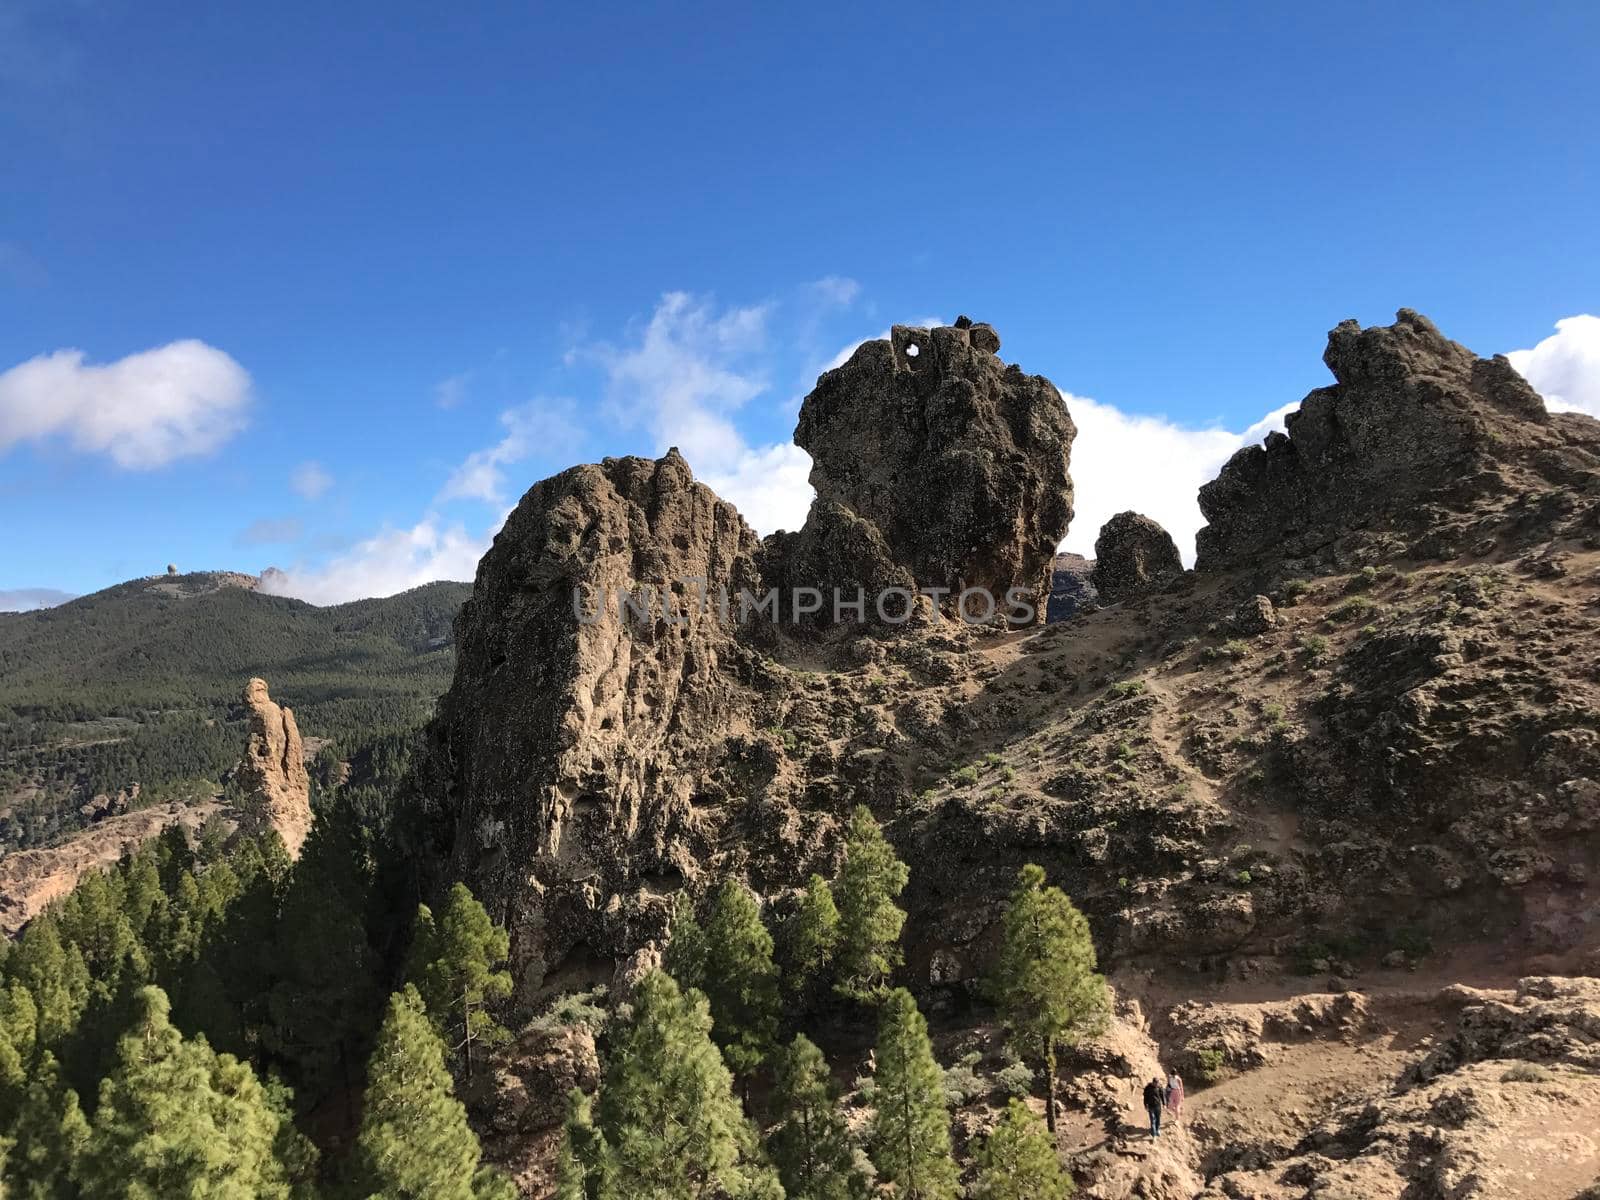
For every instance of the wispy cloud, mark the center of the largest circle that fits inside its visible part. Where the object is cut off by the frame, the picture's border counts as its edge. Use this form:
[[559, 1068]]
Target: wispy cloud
[[143, 411], [544, 429], [29, 599], [270, 531], [310, 481], [449, 393], [390, 561]]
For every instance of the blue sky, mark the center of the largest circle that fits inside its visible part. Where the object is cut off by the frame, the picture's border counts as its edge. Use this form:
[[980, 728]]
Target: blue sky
[[326, 287]]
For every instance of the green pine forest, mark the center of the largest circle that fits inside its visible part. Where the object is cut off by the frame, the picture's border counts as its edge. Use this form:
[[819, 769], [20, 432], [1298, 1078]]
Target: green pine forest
[[208, 1019], [141, 683]]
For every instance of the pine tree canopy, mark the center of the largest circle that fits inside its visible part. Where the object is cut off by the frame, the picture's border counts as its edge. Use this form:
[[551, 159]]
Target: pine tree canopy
[[414, 1142], [741, 981], [1019, 1160], [911, 1128], [672, 1128], [869, 920], [175, 1119], [811, 1146], [458, 966], [812, 935]]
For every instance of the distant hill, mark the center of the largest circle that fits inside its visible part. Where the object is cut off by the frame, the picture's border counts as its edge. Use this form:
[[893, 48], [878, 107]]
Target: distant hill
[[140, 684]]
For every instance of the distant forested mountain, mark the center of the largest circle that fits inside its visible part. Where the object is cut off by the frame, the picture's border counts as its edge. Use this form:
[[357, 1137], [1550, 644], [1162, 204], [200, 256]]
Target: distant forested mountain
[[140, 684]]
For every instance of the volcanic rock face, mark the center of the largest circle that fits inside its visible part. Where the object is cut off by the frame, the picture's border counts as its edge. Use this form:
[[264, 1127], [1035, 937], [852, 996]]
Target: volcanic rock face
[[1416, 431], [936, 465], [1071, 586], [569, 744], [273, 770], [1132, 555]]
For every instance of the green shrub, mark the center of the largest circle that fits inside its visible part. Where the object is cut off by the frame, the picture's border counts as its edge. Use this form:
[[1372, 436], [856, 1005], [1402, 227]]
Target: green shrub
[[1314, 648], [1526, 1072], [1014, 1079], [1208, 1065], [1354, 609], [966, 776], [962, 1083]]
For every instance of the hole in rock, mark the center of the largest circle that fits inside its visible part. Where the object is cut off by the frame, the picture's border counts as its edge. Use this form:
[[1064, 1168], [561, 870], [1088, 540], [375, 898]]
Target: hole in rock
[[912, 350]]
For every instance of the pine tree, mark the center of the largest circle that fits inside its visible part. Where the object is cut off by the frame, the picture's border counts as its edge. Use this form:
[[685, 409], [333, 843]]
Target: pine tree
[[175, 1119], [811, 1146], [583, 1168], [869, 920], [685, 957], [812, 937], [324, 997], [741, 980], [672, 1127], [414, 1142], [911, 1129], [47, 1139], [1019, 1161], [54, 974], [1045, 982], [457, 964]]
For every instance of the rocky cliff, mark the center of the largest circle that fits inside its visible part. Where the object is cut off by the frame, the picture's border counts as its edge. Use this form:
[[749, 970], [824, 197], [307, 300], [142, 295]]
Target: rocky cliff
[[1419, 449], [273, 770], [1364, 732]]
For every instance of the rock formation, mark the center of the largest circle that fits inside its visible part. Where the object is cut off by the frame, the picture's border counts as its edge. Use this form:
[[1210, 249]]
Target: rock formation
[[936, 466], [1132, 555], [1416, 432], [569, 747], [273, 770], [1071, 587]]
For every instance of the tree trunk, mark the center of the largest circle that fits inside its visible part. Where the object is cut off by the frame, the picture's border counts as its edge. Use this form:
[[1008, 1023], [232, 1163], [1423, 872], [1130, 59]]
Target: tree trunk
[[1050, 1085], [466, 1028]]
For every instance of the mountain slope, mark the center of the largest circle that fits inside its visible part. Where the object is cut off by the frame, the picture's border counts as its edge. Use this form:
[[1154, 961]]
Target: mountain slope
[[139, 684]]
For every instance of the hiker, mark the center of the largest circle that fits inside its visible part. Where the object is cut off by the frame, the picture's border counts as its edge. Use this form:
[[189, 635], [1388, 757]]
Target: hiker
[[1174, 1094], [1155, 1097]]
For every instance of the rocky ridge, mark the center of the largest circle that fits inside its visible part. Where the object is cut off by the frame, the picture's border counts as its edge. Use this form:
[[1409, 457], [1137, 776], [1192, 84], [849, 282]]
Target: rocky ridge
[[1365, 726]]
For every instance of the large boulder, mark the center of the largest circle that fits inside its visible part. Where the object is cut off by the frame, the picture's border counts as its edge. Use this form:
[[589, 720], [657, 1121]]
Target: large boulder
[[1416, 431], [935, 465], [1133, 555], [273, 771]]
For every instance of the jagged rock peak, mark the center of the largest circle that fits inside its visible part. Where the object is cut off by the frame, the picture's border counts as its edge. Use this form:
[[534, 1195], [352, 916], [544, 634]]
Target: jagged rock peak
[[566, 749], [935, 464], [1133, 555], [273, 771], [1415, 432]]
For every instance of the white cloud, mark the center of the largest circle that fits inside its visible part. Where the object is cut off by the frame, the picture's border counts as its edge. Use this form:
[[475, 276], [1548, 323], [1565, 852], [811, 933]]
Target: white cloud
[[269, 531], [143, 411], [310, 480], [838, 290], [543, 429], [1565, 367], [388, 562], [29, 599], [684, 379], [448, 393], [1151, 465], [769, 486]]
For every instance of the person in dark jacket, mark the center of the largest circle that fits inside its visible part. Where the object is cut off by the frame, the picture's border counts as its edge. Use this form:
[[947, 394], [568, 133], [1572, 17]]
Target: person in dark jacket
[[1155, 1099]]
